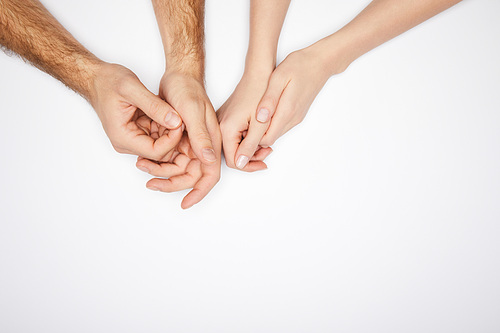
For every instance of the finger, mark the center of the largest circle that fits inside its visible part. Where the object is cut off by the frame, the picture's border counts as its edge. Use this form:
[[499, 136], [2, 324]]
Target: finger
[[200, 189], [173, 184], [261, 154], [250, 143], [156, 108], [230, 142], [281, 120], [253, 166], [199, 136], [269, 102], [166, 143], [164, 170], [145, 146], [179, 182]]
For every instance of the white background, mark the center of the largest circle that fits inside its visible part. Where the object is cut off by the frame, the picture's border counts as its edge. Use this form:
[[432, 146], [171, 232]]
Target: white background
[[379, 213]]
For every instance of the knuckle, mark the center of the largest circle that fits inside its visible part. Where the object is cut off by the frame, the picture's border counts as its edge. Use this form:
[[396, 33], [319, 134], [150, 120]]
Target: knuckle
[[201, 135], [224, 126], [119, 149], [296, 121], [228, 125], [267, 142], [230, 164], [154, 108], [191, 104], [156, 156], [125, 86], [269, 101], [279, 76]]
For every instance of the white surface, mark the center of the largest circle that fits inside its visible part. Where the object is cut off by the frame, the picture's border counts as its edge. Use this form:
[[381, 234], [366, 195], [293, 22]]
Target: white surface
[[380, 213]]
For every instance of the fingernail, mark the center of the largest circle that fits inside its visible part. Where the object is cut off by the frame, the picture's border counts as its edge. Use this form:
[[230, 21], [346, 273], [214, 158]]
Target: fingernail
[[143, 168], [172, 119], [263, 115], [209, 155], [241, 162], [152, 188]]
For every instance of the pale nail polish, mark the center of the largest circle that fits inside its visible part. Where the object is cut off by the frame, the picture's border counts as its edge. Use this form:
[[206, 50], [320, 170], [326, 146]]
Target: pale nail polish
[[241, 162], [263, 115], [143, 169], [153, 188], [209, 155], [172, 119]]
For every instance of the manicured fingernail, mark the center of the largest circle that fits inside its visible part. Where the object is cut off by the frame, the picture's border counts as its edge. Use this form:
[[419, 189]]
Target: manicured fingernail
[[172, 119], [263, 115], [241, 162], [209, 155], [142, 168], [152, 187]]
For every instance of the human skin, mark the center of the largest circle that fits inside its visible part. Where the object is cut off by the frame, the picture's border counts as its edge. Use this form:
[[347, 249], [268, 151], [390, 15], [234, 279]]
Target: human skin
[[197, 164], [181, 25], [118, 97], [296, 81], [185, 169], [237, 116]]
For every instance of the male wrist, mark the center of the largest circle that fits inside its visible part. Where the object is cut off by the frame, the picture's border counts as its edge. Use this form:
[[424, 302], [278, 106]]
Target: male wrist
[[89, 69], [194, 68]]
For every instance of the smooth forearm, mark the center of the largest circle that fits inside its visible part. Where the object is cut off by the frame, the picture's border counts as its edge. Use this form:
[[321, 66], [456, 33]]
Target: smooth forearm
[[266, 21], [379, 22], [29, 30], [181, 25]]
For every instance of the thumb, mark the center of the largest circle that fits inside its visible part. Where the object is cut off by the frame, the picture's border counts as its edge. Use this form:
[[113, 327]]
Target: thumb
[[156, 108], [199, 136], [269, 102]]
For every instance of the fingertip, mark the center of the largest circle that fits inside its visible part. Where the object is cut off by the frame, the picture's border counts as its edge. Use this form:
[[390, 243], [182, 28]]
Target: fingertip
[[143, 168], [263, 115], [261, 154], [186, 205], [173, 120], [151, 186], [189, 201], [242, 161], [208, 155]]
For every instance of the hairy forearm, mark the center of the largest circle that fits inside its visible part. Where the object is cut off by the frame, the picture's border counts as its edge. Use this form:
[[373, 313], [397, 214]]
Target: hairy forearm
[[29, 30], [266, 21], [181, 24], [379, 22]]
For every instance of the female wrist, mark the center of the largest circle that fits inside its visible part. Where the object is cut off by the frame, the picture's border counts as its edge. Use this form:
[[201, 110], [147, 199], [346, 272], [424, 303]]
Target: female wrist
[[262, 61], [333, 54]]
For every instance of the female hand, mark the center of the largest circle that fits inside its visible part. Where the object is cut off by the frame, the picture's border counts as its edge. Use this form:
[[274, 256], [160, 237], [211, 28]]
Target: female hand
[[237, 120], [292, 88]]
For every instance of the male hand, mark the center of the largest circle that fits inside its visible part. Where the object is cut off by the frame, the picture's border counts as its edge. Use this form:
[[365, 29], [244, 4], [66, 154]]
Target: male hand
[[187, 95], [197, 159], [179, 171], [124, 106]]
